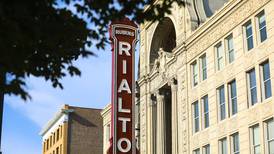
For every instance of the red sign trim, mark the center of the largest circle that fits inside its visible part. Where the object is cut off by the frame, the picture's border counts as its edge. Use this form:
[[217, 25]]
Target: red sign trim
[[115, 86]]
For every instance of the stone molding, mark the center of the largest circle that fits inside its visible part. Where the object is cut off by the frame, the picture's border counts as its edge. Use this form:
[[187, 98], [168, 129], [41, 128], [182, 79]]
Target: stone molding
[[220, 23]]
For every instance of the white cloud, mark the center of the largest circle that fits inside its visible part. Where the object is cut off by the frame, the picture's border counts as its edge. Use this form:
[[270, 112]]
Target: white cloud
[[40, 109], [92, 89]]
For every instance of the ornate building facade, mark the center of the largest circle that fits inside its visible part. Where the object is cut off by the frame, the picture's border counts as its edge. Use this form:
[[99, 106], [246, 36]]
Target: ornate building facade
[[206, 79], [106, 115]]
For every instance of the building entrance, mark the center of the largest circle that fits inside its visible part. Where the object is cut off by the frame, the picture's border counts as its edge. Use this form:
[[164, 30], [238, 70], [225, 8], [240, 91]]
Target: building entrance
[[168, 119]]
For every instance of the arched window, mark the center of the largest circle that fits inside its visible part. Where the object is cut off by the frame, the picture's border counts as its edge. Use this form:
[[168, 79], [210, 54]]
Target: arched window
[[164, 37]]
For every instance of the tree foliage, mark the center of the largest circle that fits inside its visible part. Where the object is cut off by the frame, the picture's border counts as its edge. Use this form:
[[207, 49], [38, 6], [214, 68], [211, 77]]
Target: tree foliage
[[39, 38]]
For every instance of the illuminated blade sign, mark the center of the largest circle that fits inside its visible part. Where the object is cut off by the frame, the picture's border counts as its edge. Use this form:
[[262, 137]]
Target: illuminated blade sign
[[123, 35]]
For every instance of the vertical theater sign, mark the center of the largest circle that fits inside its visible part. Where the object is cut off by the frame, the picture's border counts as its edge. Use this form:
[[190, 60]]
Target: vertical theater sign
[[123, 35]]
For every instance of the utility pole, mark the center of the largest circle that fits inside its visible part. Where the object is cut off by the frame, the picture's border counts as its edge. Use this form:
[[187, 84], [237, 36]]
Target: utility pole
[[1, 118], [2, 83]]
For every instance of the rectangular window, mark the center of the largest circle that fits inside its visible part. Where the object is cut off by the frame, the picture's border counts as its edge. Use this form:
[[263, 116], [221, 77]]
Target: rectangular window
[[262, 26], [249, 35], [44, 146], [270, 136], [219, 56], [197, 151], [194, 67], [57, 150], [61, 130], [235, 145], [58, 133], [221, 100], [205, 111], [61, 149], [206, 149], [230, 48], [50, 140], [196, 116], [203, 67], [255, 139], [107, 133], [47, 144], [266, 83], [233, 97], [223, 146], [53, 137], [252, 87]]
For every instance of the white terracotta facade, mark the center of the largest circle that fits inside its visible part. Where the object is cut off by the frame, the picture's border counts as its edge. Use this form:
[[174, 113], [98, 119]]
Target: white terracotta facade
[[106, 114], [166, 79]]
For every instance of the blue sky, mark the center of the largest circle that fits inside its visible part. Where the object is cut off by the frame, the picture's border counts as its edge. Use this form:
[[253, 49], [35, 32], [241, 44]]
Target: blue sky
[[24, 120]]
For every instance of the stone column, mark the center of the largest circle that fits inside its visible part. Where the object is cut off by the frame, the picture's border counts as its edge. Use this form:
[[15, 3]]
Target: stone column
[[174, 88], [152, 126], [161, 123]]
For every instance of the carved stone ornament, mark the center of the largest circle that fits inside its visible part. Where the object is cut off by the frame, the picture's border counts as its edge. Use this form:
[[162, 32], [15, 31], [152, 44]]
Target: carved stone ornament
[[173, 82], [156, 66], [153, 100], [161, 64]]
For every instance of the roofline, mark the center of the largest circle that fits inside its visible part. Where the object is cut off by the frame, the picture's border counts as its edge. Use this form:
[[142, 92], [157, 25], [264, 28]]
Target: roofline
[[106, 109], [64, 110], [84, 107]]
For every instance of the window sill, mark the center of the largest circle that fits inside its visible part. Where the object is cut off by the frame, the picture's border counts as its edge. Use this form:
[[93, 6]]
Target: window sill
[[231, 63], [195, 87], [262, 43], [262, 102], [267, 100], [205, 129], [195, 133], [220, 71], [222, 121], [249, 51], [202, 81]]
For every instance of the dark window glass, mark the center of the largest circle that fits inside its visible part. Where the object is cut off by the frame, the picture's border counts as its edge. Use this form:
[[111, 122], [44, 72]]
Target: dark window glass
[[197, 151], [230, 48], [196, 116], [270, 136], [194, 73], [266, 80], [206, 111], [262, 26], [252, 87], [223, 146], [236, 146], [219, 56], [249, 35], [203, 67], [233, 97], [222, 109], [206, 149]]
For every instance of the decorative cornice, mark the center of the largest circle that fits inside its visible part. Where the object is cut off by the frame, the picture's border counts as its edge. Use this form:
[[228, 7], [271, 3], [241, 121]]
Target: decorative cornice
[[222, 22], [63, 111], [106, 110], [210, 22]]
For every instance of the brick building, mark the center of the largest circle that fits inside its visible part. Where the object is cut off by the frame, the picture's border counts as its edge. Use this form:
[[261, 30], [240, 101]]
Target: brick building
[[74, 130]]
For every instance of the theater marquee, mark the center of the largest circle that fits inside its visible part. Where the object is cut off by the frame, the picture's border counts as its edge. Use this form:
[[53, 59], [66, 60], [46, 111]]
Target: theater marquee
[[123, 35]]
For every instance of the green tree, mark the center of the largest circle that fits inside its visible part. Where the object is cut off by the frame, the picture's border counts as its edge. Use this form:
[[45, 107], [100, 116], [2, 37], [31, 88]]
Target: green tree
[[43, 38]]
